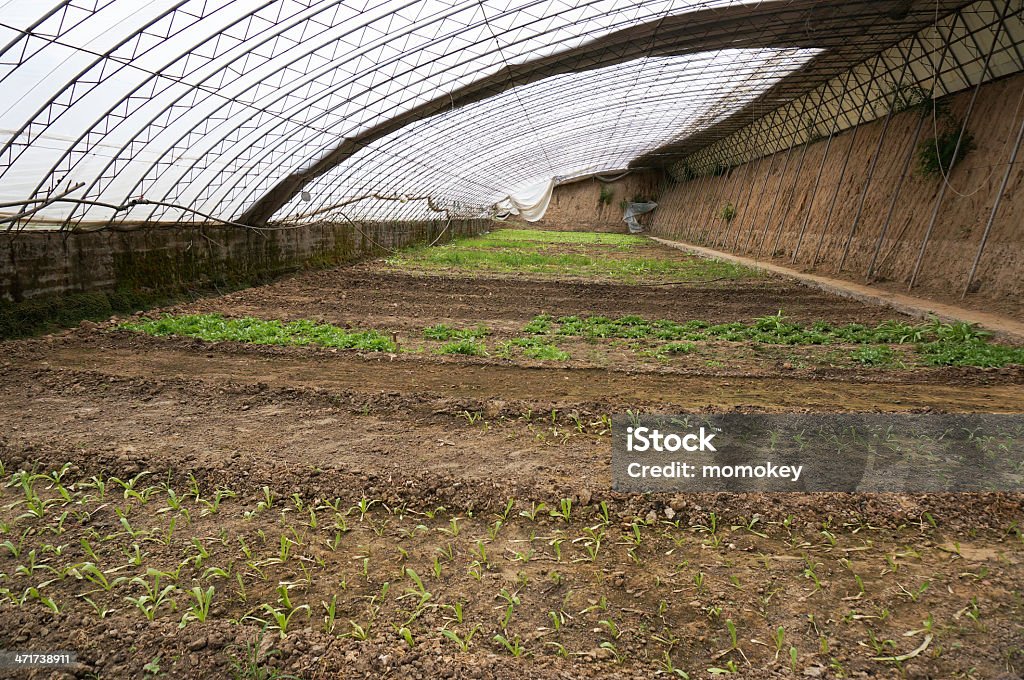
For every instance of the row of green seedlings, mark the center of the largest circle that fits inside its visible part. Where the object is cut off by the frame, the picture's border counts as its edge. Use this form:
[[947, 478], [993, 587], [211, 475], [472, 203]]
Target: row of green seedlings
[[156, 594], [278, 616], [471, 342], [217, 328], [938, 343], [557, 426]]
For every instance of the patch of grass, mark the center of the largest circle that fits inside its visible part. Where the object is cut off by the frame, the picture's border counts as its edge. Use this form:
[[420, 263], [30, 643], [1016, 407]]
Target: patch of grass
[[534, 348], [465, 346], [216, 328], [525, 251], [577, 237], [445, 332]]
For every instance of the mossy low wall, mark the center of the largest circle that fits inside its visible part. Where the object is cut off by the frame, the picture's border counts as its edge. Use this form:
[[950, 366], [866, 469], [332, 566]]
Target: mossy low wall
[[50, 279]]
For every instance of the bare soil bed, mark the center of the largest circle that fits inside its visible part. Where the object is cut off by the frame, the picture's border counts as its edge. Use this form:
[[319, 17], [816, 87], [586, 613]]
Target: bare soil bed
[[417, 514]]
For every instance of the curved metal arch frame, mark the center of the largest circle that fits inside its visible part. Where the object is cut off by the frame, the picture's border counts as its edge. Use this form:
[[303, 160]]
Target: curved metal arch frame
[[263, 177], [482, 124], [262, 167]]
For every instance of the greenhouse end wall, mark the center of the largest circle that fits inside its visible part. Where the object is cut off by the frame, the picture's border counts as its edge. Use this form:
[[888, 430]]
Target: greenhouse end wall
[[54, 277]]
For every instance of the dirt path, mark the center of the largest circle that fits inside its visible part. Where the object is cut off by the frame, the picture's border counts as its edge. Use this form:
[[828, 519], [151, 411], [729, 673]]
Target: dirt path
[[1003, 326]]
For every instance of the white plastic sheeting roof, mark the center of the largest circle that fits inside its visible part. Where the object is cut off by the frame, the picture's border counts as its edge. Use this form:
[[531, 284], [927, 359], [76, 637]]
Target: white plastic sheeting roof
[[231, 107]]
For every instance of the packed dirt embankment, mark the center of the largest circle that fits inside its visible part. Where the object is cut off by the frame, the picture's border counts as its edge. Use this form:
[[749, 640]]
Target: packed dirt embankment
[[840, 224]]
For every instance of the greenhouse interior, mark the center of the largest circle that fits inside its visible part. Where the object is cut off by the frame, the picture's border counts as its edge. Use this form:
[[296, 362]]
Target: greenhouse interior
[[504, 339]]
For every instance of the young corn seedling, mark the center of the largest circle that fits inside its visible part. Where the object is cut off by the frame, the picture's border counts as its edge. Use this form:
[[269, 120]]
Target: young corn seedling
[[667, 667], [280, 619], [200, 608], [330, 614], [357, 632], [213, 507], [611, 628], [419, 590], [535, 509], [406, 634], [36, 594], [455, 612], [513, 647], [511, 600], [734, 639], [95, 575], [201, 553], [453, 529], [591, 542], [101, 611], [506, 512], [699, 580], [915, 594], [462, 642], [15, 549], [154, 596], [779, 638], [564, 511], [364, 506]]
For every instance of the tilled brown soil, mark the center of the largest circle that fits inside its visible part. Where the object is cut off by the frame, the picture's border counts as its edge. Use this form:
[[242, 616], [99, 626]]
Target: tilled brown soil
[[849, 579]]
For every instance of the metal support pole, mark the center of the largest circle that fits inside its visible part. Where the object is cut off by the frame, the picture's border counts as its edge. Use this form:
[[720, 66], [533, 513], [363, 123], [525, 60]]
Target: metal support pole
[[995, 209], [872, 167], [782, 178], [869, 275], [749, 243], [799, 168], [716, 188], [956, 149], [846, 161], [691, 228], [741, 213], [737, 185], [911, 152], [821, 167], [750, 194]]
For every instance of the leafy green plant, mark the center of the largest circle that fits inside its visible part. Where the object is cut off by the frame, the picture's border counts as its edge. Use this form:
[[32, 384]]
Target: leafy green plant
[[217, 328], [873, 356], [534, 348], [513, 646], [445, 332], [465, 347], [462, 642], [936, 155], [727, 213]]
